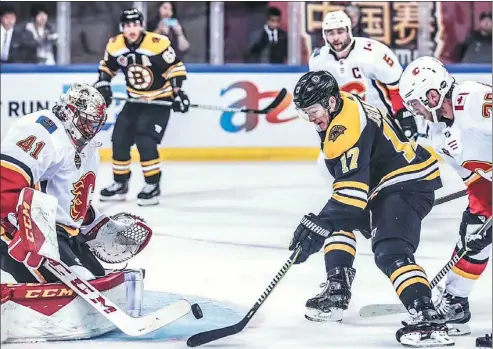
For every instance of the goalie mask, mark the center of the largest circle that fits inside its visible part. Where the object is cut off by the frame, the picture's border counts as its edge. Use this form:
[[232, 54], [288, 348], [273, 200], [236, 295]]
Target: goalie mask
[[82, 110]]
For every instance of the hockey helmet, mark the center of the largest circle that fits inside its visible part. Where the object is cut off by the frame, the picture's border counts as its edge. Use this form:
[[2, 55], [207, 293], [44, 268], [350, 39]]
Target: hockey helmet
[[131, 15], [418, 79], [334, 20], [314, 89], [82, 110]]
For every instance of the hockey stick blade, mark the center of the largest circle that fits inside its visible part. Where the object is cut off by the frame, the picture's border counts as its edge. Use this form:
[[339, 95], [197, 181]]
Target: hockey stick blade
[[373, 310], [273, 105], [129, 325], [209, 336]]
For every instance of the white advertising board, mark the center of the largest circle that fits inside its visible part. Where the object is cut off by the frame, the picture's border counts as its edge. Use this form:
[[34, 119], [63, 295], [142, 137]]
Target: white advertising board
[[26, 92]]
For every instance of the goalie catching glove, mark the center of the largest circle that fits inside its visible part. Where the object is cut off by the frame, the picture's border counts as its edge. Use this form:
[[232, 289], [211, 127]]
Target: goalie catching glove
[[311, 234], [117, 238]]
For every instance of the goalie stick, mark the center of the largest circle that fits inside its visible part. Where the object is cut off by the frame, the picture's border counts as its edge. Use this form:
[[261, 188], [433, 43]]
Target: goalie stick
[[209, 336], [274, 104], [373, 310]]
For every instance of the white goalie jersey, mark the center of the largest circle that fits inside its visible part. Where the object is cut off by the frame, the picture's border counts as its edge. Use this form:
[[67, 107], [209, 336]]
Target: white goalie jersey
[[37, 152], [466, 144], [371, 71]]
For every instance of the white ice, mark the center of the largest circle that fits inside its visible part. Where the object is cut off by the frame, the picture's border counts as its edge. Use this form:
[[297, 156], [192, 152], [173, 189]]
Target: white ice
[[221, 232]]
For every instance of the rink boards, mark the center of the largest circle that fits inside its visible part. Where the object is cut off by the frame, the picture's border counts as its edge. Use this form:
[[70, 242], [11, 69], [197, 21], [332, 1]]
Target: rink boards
[[199, 134]]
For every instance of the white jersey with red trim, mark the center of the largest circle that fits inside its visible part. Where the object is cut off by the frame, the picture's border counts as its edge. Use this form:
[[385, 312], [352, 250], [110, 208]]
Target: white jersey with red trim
[[466, 144], [38, 151], [371, 70]]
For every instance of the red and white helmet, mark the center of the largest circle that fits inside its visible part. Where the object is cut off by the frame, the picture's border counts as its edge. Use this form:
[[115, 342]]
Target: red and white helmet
[[334, 20], [82, 110], [421, 76]]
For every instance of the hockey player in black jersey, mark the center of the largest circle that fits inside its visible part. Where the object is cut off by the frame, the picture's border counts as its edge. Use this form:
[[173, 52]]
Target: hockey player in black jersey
[[376, 171], [153, 72]]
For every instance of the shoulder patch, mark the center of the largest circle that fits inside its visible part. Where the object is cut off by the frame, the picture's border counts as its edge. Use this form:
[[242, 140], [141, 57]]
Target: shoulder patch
[[154, 44], [47, 123], [335, 132], [460, 101], [115, 44], [344, 130]]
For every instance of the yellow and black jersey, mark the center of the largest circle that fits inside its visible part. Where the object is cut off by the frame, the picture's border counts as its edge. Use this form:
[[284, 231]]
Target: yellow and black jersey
[[151, 67], [368, 156]]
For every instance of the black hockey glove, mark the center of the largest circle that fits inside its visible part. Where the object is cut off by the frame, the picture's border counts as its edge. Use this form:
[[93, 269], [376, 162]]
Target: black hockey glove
[[472, 242], [181, 103], [104, 87], [407, 123], [311, 234]]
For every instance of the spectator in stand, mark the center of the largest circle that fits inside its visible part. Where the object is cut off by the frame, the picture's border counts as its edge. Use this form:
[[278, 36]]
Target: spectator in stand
[[16, 45], [354, 14], [271, 42], [477, 47], [44, 34], [167, 24]]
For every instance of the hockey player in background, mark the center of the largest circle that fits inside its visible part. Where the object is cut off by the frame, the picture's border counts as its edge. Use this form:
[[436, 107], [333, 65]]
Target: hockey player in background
[[375, 169], [152, 72], [54, 153], [459, 126], [362, 66]]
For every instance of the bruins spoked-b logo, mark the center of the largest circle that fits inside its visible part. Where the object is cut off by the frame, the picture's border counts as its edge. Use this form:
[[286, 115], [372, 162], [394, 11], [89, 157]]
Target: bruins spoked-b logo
[[336, 131], [139, 77]]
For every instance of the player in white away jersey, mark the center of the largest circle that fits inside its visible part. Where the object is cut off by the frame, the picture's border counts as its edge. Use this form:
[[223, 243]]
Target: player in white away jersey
[[54, 152], [459, 126], [362, 66]]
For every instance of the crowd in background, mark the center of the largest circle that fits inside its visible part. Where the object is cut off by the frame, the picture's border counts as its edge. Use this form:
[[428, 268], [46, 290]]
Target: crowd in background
[[254, 31]]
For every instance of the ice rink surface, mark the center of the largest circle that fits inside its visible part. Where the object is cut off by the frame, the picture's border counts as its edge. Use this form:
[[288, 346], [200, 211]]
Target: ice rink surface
[[221, 233]]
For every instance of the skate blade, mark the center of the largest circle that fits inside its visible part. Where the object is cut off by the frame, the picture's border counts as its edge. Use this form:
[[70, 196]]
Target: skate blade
[[458, 329], [116, 197], [148, 202], [436, 339], [334, 315]]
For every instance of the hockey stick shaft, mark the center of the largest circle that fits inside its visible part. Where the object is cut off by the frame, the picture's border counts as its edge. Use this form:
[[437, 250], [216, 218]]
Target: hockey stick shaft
[[209, 336], [450, 197], [388, 309], [274, 104]]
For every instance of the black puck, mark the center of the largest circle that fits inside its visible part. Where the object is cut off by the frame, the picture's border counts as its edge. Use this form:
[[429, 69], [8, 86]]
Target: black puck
[[196, 311]]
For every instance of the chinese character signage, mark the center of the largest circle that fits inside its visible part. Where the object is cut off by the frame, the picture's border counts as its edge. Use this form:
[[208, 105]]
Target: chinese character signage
[[391, 22]]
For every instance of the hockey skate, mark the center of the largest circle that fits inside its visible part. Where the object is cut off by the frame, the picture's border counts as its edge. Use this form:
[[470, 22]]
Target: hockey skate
[[330, 304], [455, 311], [426, 327], [149, 195], [114, 192]]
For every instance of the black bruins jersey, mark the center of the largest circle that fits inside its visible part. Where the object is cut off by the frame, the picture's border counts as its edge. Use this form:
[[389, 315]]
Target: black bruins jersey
[[368, 156], [149, 67]]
